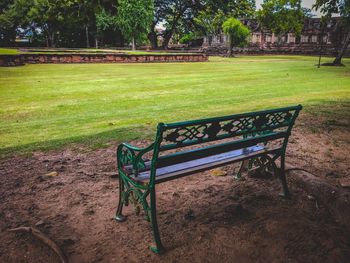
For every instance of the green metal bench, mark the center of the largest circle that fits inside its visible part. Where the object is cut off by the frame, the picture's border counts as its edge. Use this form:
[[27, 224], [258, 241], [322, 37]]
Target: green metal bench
[[186, 148]]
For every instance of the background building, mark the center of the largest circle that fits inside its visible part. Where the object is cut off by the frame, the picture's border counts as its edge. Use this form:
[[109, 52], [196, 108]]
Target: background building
[[313, 39]]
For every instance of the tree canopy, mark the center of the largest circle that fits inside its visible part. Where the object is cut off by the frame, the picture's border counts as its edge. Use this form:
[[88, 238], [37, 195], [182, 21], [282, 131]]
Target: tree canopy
[[78, 23], [134, 18], [342, 7], [237, 33], [282, 16]]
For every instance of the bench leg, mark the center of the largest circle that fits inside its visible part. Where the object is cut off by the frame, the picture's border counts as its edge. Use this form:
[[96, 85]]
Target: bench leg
[[282, 176], [242, 168], [119, 214], [158, 249]]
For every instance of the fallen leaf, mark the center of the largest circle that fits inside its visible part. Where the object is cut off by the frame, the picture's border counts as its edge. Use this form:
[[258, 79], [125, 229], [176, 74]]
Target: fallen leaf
[[52, 174], [218, 172]]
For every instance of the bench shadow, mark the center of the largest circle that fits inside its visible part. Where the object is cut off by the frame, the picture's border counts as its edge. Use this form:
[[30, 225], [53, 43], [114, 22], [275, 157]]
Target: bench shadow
[[93, 141]]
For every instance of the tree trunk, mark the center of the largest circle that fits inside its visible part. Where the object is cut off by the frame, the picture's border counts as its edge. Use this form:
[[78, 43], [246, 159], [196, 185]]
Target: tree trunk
[[133, 43], [210, 40], [166, 39], [152, 37], [342, 51], [96, 42], [230, 52], [87, 36], [169, 33], [52, 39]]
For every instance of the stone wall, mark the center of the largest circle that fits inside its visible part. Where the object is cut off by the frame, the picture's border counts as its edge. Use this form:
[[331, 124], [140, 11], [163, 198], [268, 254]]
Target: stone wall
[[17, 60], [11, 60], [291, 49]]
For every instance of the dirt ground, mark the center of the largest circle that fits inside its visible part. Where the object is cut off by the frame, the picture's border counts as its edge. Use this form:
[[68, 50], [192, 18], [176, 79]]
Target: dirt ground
[[202, 218]]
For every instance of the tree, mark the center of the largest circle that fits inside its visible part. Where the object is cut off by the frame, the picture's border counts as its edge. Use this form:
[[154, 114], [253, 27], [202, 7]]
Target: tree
[[282, 16], [342, 7], [13, 14], [86, 10], [237, 33], [104, 21], [134, 18], [176, 11], [210, 22], [49, 16], [160, 11]]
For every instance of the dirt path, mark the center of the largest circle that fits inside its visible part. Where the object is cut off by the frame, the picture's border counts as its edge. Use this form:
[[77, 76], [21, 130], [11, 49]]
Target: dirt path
[[202, 218]]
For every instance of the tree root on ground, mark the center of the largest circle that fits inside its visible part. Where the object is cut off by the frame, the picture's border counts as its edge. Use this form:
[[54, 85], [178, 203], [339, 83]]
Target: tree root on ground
[[44, 238]]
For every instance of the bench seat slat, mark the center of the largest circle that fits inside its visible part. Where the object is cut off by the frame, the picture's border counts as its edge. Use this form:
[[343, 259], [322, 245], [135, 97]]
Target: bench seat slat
[[186, 168], [185, 156]]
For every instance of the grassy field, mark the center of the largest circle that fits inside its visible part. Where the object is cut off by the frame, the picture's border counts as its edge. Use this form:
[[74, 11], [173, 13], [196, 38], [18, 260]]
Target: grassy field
[[47, 106], [8, 51]]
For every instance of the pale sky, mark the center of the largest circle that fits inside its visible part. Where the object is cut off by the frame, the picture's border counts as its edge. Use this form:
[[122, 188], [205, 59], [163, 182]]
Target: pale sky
[[306, 3]]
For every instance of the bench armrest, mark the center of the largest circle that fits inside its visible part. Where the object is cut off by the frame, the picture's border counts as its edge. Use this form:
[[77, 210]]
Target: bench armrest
[[132, 156]]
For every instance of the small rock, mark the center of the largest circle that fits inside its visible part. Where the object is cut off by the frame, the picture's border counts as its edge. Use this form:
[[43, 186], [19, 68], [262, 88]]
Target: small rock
[[40, 223], [345, 182], [52, 174], [310, 197]]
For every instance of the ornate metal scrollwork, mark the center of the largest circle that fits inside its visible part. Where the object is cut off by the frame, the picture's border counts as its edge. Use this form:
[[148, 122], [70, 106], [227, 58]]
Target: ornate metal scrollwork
[[259, 124], [261, 165], [136, 196], [132, 157]]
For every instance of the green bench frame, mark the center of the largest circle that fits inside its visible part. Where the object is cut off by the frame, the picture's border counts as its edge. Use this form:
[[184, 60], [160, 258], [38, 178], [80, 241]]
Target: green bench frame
[[235, 138]]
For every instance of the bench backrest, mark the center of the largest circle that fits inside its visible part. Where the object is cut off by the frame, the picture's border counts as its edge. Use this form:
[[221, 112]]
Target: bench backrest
[[248, 129]]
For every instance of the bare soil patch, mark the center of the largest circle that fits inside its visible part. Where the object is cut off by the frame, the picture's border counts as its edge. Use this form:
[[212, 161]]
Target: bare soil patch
[[202, 218]]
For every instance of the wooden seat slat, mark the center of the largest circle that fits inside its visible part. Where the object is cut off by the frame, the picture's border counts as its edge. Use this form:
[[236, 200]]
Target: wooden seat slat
[[184, 156], [198, 165]]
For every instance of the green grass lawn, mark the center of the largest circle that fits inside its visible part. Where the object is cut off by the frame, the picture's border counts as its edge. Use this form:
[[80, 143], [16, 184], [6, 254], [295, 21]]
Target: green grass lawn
[[8, 51], [47, 106]]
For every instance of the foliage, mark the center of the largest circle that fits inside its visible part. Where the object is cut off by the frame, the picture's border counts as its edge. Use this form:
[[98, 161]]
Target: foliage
[[74, 23], [177, 14], [233, 8], [187, 38], [63, 23], [210, 22], [342, 7], [134, 18], [237, 33], [282, 16], [104, 21], [329, 7]]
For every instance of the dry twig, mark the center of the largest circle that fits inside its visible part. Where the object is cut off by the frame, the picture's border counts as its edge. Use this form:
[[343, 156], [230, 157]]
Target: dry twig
[[44, 238]]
